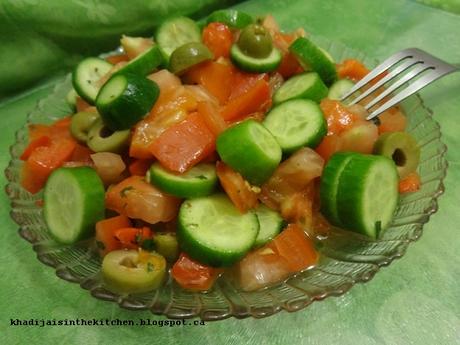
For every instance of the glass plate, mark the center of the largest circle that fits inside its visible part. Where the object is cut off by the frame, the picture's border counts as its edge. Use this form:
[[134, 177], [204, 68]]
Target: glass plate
[[346, 259]]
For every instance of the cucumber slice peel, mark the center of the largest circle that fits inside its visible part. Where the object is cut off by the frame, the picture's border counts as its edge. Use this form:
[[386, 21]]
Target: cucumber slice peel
[[230, 17], [306, 85], [255, 65], [144, 63], [296, 123], [271, 224], [200, 180], [212, 231], [73, 203], [312, 57]]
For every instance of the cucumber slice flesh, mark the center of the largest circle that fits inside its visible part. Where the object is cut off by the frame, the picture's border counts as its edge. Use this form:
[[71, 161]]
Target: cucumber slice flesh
[[176, 32], [86, 75], [212, 231], [339, 88], [255, 65], [306, 86], [312, 57], [200, 180], [257, 153], [271, 223], [296, 123], [367, 194], [73, 203]]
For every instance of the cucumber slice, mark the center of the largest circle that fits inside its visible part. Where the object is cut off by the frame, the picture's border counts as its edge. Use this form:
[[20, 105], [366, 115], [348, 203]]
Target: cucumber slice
[[271, 223], [250, 149], [125, 99], [144, 63], [367, 194], [296, 123], [73, 203], [188, 55], [200, 180], [255, 65], [312, 57], [232, 18], [306, 86], [175, 32], [330, 183], [212, 231], [71, 98], [339, 88], [86, 75]]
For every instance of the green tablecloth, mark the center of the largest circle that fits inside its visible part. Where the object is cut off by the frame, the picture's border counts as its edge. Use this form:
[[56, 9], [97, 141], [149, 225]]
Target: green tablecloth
[[414, 301]]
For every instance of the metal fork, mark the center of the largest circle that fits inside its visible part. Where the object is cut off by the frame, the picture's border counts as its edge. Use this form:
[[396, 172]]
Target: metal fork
[[413, 68]]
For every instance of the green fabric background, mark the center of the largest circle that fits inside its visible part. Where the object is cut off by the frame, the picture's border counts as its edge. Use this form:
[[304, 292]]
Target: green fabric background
[[416, 300]]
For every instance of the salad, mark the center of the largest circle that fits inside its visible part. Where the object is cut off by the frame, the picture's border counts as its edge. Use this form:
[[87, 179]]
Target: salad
[[216, 149]]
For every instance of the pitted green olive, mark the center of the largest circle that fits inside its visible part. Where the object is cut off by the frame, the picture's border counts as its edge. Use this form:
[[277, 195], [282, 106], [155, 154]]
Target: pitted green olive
[[130, 271], [255, 41], [102, 139], [81, 124]]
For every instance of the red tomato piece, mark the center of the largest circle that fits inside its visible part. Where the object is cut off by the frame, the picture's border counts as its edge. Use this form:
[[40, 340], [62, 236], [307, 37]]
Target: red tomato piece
[[218, 38], [211, 116], [193, 275], [411, 183], [295, 247], [329, 145], [237, 188], [140, 167], [40, 141], [105, 233], [338, 117], [133, 238], [185, 144]]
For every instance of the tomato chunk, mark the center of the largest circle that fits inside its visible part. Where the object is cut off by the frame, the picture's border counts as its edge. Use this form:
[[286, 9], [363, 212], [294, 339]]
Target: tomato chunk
[[193, 275], [136, 198], [133, 238], [40, 141], [237, 188], [338, 117], [254, 99], [214, 76], [218, 38], [295, 247], [185, 144], [411, 183], [140, 167], [105, 233]]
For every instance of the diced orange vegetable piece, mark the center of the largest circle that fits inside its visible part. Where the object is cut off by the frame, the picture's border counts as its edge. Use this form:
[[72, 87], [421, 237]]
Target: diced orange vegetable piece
[[211, 116], [295, 247], [114, 59], [328, 146], [213, 76], [392, 120], [43, 160], [40, 141], [140, 167], [355, 70], [193, 275], [105, 233], [411, 183], [132, 238], [218, 38], [138, 199], [82, 154], [338, 117], [255, 99], [237, 188], [185, 144]]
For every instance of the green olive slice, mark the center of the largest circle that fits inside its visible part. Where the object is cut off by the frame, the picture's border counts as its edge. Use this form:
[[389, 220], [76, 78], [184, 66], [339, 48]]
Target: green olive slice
[[402, 148], [81, 123], [188, 55], [131, 271], [255, 41], [103, 139]]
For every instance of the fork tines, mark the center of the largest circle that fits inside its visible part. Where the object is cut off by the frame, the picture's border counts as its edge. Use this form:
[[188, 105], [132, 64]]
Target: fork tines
[[412, 67]]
